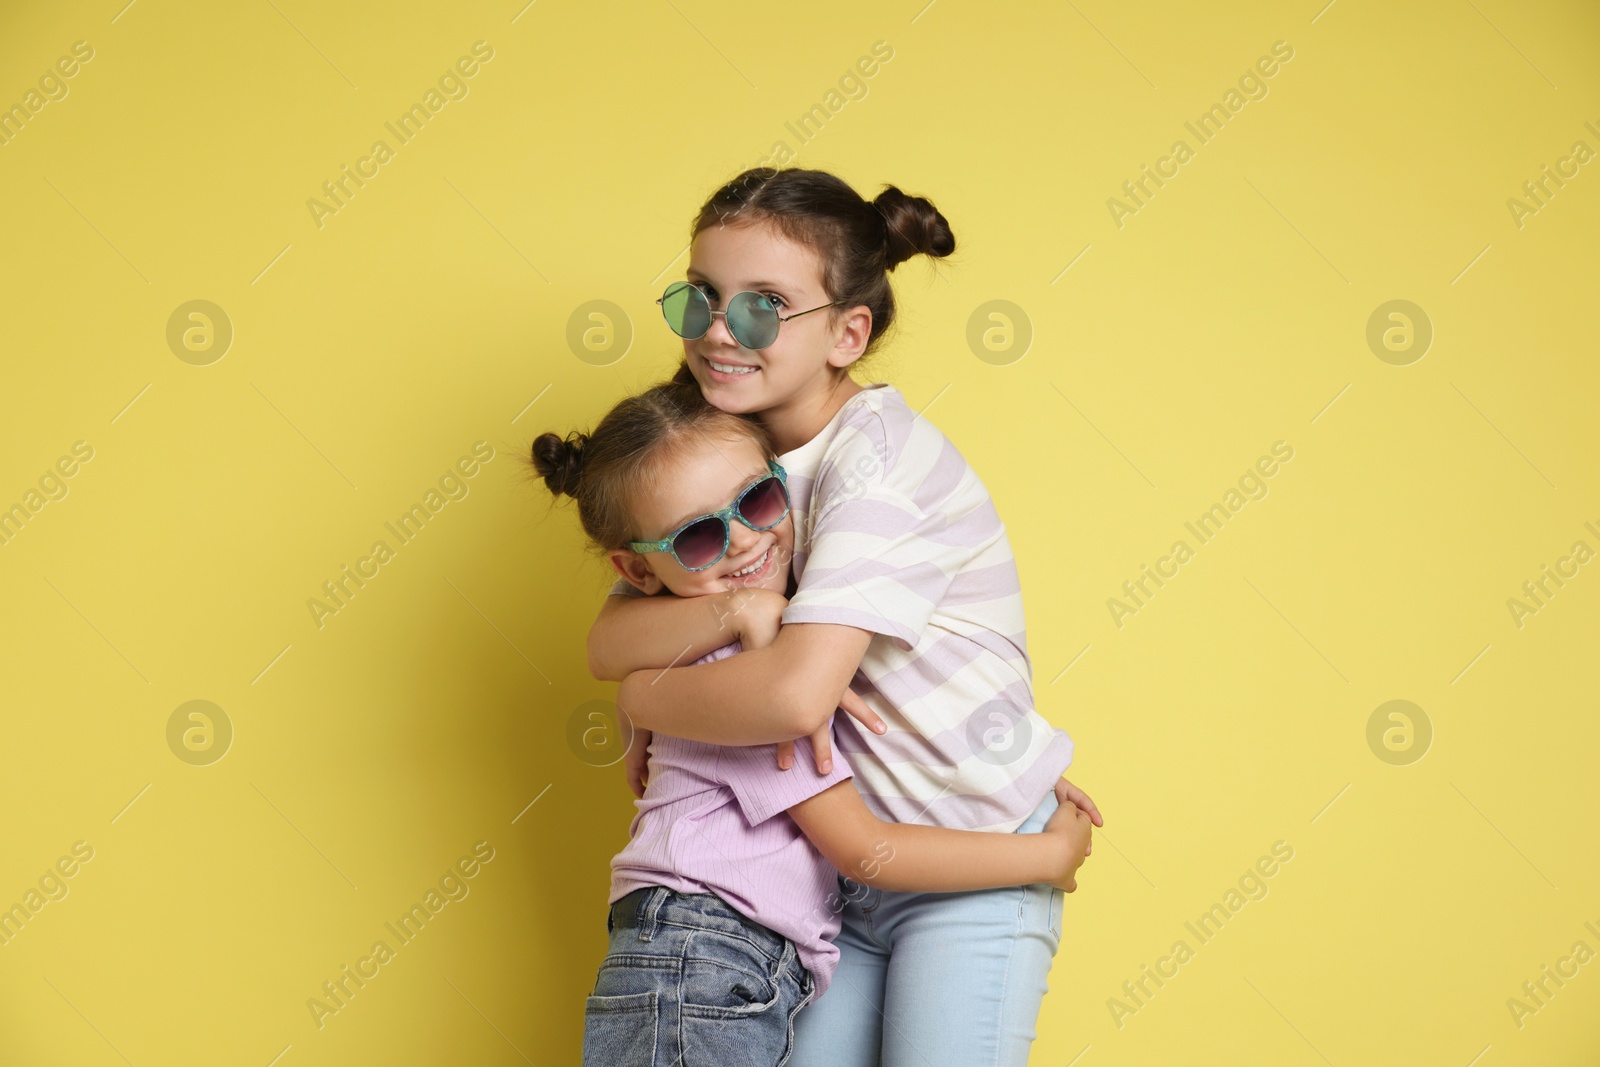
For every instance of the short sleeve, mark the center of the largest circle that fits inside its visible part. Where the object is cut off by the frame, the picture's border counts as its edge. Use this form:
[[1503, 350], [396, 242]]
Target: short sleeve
[[887, 541], [762, 790]]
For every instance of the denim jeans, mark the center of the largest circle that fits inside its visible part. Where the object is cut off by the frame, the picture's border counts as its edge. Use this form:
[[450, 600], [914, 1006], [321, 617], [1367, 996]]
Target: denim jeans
[[690, 982], [936, 979]]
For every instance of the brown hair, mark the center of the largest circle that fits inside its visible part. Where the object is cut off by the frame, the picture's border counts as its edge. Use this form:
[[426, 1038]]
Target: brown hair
[[859, 241], [605, 470]]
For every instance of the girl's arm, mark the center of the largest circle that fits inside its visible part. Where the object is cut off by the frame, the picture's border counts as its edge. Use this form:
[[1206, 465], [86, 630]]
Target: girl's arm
[[785, 690], [931, 859], [635, 632]]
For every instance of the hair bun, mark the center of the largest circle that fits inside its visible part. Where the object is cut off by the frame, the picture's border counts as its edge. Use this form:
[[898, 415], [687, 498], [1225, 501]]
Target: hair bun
[[912, 226], [559, 461]]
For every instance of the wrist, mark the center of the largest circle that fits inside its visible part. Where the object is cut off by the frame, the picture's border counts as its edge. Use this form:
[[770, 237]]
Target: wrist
[[1052, 860]]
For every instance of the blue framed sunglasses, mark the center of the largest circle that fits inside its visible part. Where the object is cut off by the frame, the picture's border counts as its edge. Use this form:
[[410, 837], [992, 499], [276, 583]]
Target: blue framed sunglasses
[[700, 542]]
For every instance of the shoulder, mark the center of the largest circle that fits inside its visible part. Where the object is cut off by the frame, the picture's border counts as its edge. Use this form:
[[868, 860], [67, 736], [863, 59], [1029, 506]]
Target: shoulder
[[881, 440], [876, 413], [623, 587], [875, 426]]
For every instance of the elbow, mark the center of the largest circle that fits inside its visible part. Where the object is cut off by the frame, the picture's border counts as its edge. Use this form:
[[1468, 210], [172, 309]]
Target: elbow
[[805, 708], [599, 669], [803, 721], [843, 847], [868, 862]]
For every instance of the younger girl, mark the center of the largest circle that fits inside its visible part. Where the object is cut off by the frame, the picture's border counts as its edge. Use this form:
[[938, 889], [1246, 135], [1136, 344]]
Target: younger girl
[[722, 912], [908, 593]]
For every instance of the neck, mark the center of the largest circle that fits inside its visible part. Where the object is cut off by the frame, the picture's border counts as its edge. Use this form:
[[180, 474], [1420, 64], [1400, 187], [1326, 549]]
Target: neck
[[801, 419]]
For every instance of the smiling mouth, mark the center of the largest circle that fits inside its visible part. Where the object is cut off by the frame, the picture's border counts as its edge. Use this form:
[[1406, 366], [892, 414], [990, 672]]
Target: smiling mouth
[[745, 572], [731, 368]]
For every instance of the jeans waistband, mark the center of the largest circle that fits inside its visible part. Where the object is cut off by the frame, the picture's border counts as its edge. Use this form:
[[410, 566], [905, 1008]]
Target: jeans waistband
[[647, 908]]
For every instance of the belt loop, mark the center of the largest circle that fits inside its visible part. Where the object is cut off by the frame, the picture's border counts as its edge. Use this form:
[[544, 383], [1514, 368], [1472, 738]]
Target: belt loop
[[648, 908], [789, 954]]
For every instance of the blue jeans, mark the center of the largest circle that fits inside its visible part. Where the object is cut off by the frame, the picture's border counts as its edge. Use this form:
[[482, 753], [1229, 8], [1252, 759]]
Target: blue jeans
[[936, 979], [690, 982]]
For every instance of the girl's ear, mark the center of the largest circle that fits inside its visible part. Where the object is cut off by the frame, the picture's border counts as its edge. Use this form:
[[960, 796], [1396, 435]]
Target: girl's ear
[[632, 566], [853, 334]]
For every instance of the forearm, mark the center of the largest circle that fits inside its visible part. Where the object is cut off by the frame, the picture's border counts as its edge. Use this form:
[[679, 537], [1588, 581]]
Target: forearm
[[778, 692], [733, 701], [927, 859], [931, 859], [634, 633]]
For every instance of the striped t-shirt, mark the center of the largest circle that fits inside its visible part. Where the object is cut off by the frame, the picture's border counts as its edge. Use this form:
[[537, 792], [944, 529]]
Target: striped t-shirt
[[712, 821], [895, 534]]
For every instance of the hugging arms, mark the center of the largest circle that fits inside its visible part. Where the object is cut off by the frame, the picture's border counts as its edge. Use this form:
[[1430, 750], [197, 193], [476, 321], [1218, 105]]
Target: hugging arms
[[791, 681]]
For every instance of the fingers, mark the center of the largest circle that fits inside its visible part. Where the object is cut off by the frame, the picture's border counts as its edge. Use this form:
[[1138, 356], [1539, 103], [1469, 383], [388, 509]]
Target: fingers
[[1067, 793], [1087, 805], [857, 709], [1082, 818], [785, 755], [822, 747]]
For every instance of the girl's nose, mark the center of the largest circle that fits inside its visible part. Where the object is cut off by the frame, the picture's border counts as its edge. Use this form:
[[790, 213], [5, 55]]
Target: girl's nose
[[741, 539], [719, 333]]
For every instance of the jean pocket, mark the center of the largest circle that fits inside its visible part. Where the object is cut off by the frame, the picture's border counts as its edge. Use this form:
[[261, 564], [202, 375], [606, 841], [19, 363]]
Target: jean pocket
[[733, 1014], [723, 989], [1056, 898], [621, 1031]]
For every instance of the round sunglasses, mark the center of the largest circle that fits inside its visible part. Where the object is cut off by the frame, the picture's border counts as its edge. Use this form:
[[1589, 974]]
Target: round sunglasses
[[700, 542], [752, 318]]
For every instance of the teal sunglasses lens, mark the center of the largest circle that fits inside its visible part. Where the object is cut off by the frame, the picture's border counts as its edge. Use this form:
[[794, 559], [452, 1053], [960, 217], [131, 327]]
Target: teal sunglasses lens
[[686, 311], [753, 321]]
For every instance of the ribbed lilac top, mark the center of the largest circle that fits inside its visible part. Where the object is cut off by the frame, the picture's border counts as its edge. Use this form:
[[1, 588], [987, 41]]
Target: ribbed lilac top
[[712, 821]]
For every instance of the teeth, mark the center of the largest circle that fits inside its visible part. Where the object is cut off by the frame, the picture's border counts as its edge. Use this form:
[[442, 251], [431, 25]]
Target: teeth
[[757, 565], [728, 368]]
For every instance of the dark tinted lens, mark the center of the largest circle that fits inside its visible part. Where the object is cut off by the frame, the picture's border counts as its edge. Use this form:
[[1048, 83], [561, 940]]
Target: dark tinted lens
[[686, 310], [701, 543], [764, 504], [753, 320]]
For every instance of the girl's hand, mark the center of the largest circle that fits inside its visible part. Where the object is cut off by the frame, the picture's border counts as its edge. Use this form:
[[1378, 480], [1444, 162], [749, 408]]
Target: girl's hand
[[1068, 833], [1067, 793], [822, 739], [753, 615], [636, 760]]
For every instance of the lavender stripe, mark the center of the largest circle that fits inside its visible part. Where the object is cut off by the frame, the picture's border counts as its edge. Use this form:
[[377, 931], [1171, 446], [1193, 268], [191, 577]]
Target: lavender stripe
[[922, 580], [1012, 804], [980, 585]]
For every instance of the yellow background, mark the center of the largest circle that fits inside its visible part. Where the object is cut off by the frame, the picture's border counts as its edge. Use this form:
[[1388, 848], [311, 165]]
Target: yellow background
[[433, 710]]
